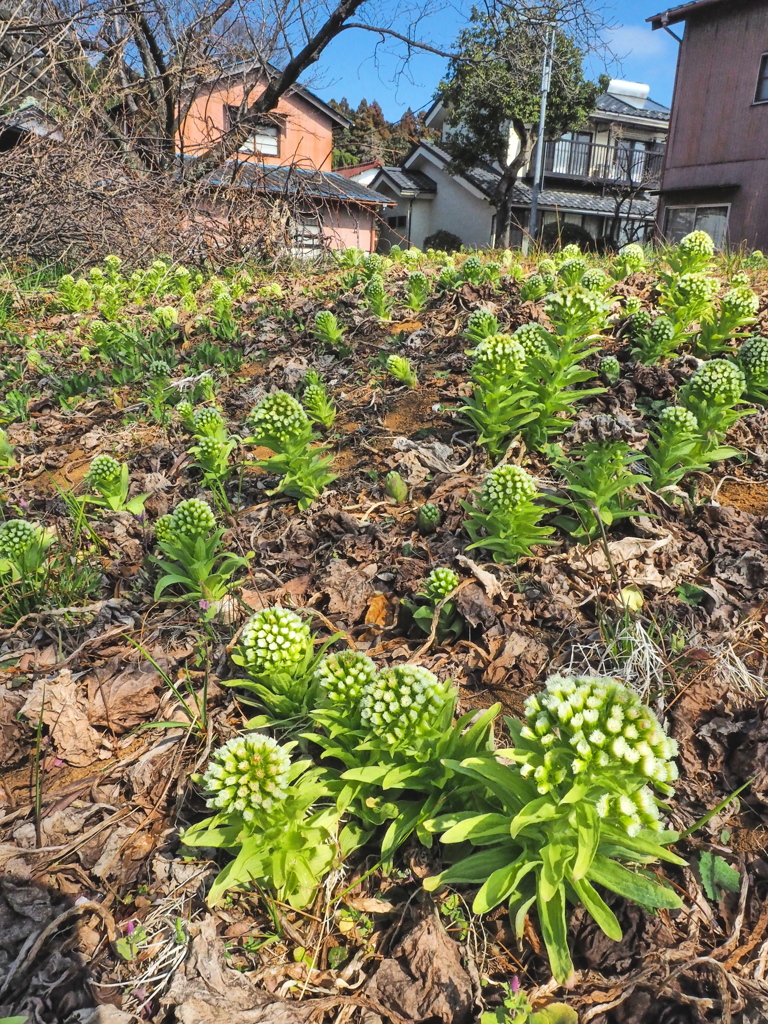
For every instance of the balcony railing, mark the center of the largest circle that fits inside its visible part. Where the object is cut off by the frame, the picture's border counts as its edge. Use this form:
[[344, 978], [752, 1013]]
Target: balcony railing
[[619, 163]]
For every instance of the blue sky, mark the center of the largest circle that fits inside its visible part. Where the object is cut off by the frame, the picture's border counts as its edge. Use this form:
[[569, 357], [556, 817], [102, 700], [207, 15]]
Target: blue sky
[[356, 67]]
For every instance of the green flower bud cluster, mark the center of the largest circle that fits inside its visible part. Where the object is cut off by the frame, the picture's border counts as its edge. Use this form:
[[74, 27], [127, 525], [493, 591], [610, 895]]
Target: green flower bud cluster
[[506, 488], [482, 324], [569, 252], [594, 280], [574, 304], [661, 332], [165, 316], [374, 263], [159, 368], [695, 287], [403, 703], [718, 381], [191, 519], [741, 280], [375, 288], [596, 728], [279, 415], [16, 538], [549, 281], [535, 286], [473, 269], [428, 518], [610, 369], [533, 340], [208, 422], [418, 281], [500, 355], [249, 776], [753, 357], [342, 678], [633, 257], [186, 414], [572, 270], [210, 451], [698, 243], [676, 420], [274, 640], [547, 268], [164, 530], [440, 583], [325, 321], [640, 321], [740, 302], [632, 305], [104, 473]]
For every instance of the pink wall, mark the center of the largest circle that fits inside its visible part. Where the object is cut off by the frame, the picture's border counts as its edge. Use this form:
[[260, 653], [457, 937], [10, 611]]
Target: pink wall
[[305, 132], [346, 226]]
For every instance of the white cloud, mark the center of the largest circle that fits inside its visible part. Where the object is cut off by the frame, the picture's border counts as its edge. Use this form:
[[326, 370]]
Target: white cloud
[[639, 41]]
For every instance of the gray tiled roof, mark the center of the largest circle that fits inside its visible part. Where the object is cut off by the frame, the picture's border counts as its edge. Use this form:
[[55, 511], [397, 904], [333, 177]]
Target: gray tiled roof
[[294, 181], [584, 202], [410, 181], [650, 111], [485, 178]]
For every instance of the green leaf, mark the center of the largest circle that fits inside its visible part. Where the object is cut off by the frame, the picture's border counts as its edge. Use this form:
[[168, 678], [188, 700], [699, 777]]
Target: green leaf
[[502, 885], [598, 908], [716, 873], [633, 885], [588, 838], [555, 1013], [479, 826], [543, 809], [554, 930], [473, 869]]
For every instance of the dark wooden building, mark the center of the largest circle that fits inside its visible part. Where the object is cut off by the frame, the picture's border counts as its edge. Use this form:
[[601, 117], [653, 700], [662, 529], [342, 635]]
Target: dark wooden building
[[716, 169]]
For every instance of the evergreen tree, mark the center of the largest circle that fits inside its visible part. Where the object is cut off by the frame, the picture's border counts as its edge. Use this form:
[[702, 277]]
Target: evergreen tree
[[493, 90]]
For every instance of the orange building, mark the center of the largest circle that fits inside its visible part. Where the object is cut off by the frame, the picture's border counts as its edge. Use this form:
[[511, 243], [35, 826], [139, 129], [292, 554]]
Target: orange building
[[297, 139]]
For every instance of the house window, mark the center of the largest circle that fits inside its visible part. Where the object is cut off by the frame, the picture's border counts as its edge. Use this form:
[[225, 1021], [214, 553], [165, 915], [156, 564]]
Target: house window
[[681, 220], [761, 93], [266, 139], [397, 222]]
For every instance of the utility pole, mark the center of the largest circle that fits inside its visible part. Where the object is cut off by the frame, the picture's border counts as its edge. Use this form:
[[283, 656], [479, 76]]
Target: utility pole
[[546, 81]]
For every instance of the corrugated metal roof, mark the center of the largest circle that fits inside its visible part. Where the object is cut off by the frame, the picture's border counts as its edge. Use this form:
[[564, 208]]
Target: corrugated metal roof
[[673, 15], [650, 111], [294, 181]]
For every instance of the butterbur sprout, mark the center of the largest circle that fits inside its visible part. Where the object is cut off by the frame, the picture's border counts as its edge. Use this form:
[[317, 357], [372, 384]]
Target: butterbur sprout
[[248, 776], [698, 243], [164, 533], [740, 302], [594, 280], [16, 537], [342, 677], [440, 583], [274, 639], [481, 324], [532, 338], [753, 356], [718, 381], [279, 415], [192, 518], [506, 488], [599, 731], [186, 414], [677, 420], [404, 702], [208, 422], [395, 487], [610, 369], [104, 473], [428, 518], [499, 355]]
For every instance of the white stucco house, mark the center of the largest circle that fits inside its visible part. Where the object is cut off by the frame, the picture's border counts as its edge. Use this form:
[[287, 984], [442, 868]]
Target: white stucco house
[[601, 177]]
